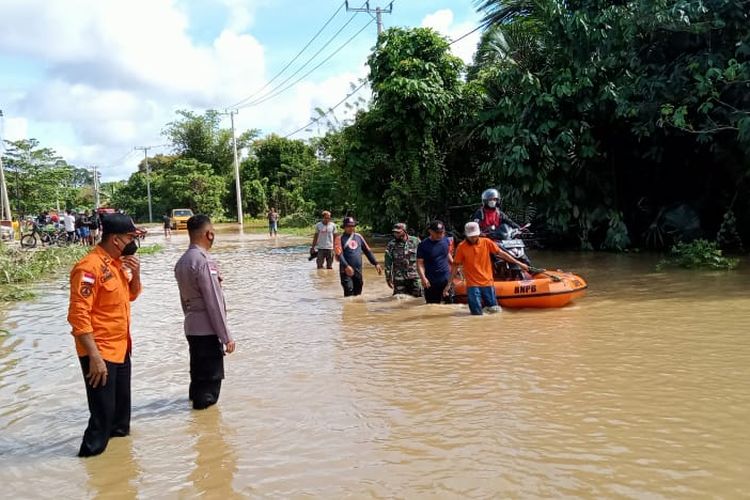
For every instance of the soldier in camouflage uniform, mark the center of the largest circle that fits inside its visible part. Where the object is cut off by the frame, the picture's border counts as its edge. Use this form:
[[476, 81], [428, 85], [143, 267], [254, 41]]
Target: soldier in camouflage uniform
[[401, 263]]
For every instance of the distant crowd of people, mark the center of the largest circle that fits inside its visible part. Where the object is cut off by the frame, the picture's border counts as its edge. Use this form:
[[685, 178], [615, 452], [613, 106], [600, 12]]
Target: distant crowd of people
[[80, 226]]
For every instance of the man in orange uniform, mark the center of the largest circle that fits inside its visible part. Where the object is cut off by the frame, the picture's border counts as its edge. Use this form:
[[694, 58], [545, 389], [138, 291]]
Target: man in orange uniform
[[474, 255], [102, 285]]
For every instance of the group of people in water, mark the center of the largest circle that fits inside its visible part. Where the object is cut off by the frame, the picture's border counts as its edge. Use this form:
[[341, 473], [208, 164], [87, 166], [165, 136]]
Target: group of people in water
[[108, 279], [424, 268]]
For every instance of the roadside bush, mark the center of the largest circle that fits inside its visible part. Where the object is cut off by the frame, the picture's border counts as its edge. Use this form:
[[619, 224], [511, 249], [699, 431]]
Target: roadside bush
[[699, 254]]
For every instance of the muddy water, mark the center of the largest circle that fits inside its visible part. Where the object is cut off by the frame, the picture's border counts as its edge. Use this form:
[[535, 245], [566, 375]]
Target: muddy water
[[641, 389]]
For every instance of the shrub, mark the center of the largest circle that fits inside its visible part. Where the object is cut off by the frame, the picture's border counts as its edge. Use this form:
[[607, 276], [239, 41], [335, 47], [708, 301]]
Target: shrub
[[699, 254]]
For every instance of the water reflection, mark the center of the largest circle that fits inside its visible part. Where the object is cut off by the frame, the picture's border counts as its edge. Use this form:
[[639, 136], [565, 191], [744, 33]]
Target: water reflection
[[101, 482], [215, 459]]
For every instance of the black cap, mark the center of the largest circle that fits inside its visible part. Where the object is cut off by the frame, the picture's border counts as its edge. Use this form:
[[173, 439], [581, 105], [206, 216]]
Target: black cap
[[349, 221], [118, 224], [437, 226]]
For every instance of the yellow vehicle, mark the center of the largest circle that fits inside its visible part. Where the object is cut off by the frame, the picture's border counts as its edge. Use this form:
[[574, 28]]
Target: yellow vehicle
[[180, 217]]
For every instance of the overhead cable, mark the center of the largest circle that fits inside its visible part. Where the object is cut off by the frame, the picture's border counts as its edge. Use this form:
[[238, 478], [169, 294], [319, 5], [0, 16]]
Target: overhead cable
[[281, 91], [466, 34], [302, 50], [298, 70], [315, 120]]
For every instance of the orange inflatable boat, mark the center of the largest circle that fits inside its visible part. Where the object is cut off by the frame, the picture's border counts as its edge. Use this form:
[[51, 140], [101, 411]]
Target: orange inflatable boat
[[550, 289]]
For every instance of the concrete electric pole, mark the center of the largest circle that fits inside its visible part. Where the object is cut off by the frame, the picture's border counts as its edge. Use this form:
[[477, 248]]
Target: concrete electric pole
[[96, 188], [4, 202], [379, 11], [148, 179], [237, 186]]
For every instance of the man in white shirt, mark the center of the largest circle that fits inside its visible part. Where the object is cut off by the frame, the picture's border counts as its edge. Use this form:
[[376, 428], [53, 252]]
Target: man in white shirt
[[70, 225], [325, 232]]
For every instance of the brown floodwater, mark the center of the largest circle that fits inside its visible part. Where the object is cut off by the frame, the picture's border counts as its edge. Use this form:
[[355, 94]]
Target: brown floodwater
[[639, 390]]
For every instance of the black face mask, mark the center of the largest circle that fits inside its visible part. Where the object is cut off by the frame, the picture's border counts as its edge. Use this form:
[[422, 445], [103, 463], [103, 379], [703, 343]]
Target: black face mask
[[131, 248]]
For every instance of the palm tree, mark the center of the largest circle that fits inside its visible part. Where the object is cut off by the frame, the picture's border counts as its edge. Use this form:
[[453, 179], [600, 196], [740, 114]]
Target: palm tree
[[500, 12]]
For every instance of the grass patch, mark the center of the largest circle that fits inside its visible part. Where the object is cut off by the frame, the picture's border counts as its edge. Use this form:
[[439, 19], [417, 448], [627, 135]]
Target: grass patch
[[19, 267], [261, 226], [15, 293], [295, 225], [150, 249], [699, 254]]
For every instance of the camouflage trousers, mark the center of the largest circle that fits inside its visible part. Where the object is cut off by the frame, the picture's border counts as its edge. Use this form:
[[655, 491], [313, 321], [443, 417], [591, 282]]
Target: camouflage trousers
[[411, 287]]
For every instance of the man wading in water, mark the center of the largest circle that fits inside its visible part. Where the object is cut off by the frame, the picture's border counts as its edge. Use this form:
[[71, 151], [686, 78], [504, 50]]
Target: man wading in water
[[102, 285], [205, 312], [352, 247]]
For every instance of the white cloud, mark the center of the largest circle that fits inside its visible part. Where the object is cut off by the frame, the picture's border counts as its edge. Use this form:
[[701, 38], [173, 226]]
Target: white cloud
[[15, 129], [443, 22], [115, 72], [240, 14]]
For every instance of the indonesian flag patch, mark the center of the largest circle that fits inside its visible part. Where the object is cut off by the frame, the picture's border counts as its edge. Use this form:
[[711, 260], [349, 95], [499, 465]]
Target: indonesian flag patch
[[88, 278]]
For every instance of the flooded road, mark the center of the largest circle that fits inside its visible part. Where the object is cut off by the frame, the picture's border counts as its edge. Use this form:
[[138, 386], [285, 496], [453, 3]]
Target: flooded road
[[639, 390]]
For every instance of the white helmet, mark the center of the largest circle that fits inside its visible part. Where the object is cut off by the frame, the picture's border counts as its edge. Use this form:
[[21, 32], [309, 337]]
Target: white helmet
[[490, 195]]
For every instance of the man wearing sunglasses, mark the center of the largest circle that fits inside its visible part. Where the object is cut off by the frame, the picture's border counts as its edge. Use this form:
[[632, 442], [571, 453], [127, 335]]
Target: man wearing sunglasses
[[203, 305]]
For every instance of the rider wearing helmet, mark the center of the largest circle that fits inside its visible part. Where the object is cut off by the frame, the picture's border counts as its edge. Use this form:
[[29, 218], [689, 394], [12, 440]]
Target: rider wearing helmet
[[489, 216]]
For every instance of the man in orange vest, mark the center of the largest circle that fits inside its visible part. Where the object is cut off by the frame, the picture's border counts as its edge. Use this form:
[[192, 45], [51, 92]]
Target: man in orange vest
[[474, 255], [102, 285]]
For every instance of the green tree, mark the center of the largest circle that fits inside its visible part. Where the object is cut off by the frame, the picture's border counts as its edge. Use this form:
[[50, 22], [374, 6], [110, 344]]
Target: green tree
[[191, 184], [38, 179], [396, 151], [620, 114], [202, 138], [284, 167]]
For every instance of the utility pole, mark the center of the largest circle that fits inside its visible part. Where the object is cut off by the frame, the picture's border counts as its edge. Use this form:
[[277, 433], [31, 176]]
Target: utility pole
[[240, 220], [4, 202], [379, 11], [148, 179], [96, 188]]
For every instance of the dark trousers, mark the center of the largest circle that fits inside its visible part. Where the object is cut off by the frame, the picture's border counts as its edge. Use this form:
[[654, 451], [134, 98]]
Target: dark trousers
[[352, 285], [434, 294], [324, 255], [109, 407], [206, 370], [411, 287]]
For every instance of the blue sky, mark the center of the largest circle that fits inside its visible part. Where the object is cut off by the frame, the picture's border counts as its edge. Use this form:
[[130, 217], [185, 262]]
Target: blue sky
[[93, 78]]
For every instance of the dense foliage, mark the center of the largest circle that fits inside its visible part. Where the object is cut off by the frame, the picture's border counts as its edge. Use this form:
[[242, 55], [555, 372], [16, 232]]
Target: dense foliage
[[607, 113], [38, 179]]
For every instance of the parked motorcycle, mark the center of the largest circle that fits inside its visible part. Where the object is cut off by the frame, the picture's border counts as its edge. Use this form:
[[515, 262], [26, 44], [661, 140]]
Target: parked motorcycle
[[510, 239]]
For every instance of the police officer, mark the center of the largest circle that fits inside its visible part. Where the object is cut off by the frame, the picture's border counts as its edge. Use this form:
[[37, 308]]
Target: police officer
[[102, 285], [401, 263], [202, 299]]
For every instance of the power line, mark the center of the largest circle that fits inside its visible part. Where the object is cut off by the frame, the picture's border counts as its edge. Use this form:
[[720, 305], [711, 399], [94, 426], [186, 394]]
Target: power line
[[271, 93], [466, 34], [281, 91], [290, 62], [315, 120]]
